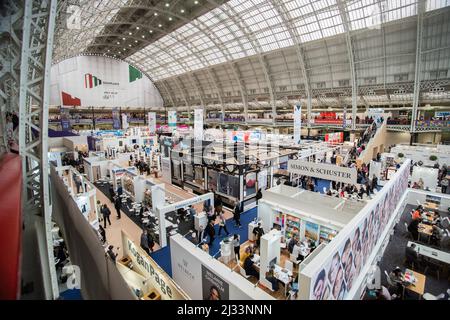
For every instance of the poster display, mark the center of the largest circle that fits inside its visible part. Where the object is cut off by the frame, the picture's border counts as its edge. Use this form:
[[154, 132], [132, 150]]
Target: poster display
[[297, 123], [335, 279], [116, 118], [262, 179], [223, 183], [213, 286], [323, 171], [250, 184], [198, 124], [172, 115], [65, 119], [212, 180], [151, 116], [312, 230], [233, 186], [97, 81], [166, 170], [335, 137]]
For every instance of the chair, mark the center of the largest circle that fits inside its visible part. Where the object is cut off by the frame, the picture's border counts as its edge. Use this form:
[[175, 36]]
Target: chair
[[389, 280], [445, 222], [289, 265], [429, 296], [431, 266]]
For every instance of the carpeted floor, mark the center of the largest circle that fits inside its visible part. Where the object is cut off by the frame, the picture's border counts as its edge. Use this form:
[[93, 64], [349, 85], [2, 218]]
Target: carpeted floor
[[162, 256], [71, 294], [395, 253]]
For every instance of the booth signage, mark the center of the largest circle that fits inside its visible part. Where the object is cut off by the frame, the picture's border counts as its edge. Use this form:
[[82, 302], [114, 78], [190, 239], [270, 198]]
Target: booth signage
[[198, 124], [152, 122], [115, 118], [157, 277], [323, 171], [297, 123], [172, 115]]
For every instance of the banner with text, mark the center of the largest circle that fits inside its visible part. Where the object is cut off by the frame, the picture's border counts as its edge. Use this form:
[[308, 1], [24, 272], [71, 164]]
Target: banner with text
[[151, 116], [124, 121], [116, 118], [198, 124], [172, 115], [65, 119], [323, 171], [297, 123], [158, 278]]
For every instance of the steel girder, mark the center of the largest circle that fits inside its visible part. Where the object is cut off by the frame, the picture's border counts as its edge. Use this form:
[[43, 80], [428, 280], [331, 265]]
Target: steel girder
[[34, 96], [416, 97]]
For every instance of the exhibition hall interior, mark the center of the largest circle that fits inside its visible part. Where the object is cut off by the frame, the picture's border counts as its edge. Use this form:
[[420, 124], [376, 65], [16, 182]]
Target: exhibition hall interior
[[225, 150]]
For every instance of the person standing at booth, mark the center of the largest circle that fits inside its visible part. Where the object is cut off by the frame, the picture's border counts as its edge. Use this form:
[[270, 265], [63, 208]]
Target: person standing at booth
[[106, 213], [237, 214], [222, 223], [237, 246], [118, 205], [258, 232], [144, 242], [210, 232]]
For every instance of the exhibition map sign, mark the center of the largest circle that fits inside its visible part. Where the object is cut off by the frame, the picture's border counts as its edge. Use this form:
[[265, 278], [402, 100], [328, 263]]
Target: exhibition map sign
[[297, 123], [65, 119], [97, 81], [198, 124], [151, 116], [347, 254], [165, 286], [323, 171]]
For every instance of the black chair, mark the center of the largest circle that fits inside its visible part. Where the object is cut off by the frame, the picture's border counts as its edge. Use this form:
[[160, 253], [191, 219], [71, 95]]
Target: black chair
[[433, 267]]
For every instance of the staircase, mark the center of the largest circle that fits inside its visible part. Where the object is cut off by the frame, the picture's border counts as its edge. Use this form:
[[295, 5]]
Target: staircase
[[376, 144]]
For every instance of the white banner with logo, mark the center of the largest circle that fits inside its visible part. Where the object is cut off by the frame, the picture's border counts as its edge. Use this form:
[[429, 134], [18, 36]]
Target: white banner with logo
[[198, 124], [172, 115], [124, 121], [151, 117], [147, 267], [323, 171], [297, 123]]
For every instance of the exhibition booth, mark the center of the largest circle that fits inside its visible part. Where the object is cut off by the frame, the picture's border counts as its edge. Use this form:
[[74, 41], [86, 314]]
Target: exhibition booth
[[233, 171], [203, 277], [340, 269], [423, 153]]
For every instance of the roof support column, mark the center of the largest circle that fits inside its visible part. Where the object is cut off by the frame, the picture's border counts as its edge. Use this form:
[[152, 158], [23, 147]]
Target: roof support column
[[416, 97]]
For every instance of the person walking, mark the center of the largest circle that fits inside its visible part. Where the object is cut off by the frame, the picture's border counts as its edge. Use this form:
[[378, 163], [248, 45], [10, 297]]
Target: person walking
[[118, 205], [144, 242], [237, 214], [222, 223], [106, 213], [111, 192], [237, 246]]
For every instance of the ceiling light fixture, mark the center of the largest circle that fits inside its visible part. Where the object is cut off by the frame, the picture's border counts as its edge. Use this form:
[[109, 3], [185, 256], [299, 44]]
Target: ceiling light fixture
[[129, 45], [151, 31], [170, 18], [118, 42], [195, 2], [156, 13], [130, 33], [123, 39], [143, 36], [135, 41], [137, 28], [160, 25], [182, 10], [167, 4]]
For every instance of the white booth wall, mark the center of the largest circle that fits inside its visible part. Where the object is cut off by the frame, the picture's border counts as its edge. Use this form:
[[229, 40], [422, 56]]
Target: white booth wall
[[192, 267], [429, 177]]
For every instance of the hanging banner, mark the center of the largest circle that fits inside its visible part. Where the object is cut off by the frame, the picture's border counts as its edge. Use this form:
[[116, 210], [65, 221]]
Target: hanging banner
[[172, 115], [116, 118], [65, 119], [198, 124], [335, 137], [151, 116], [344, 120], [297, 123], [323, 171], [124, 121]]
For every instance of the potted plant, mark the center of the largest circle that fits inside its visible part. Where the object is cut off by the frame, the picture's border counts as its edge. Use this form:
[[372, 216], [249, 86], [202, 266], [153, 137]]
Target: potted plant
[[400, 155], [433, 158]]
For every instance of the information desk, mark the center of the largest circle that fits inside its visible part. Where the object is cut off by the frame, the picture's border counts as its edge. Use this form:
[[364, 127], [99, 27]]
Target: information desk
[[431, 252]]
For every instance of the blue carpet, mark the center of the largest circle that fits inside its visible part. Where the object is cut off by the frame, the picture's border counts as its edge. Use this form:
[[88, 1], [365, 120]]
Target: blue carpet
[[321, 183], [71, 294], [246, 218], [162, 256]]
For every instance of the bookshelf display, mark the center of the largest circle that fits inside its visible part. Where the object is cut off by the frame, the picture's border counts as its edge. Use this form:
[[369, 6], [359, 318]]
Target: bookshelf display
[[326, 234], [292, 228]]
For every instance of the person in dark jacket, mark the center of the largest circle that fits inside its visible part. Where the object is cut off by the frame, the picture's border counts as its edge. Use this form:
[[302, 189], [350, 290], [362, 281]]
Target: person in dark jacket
[[249, 267], [106, 213], [144, 242], [237, 214], [210, 232], [111, 192], [151, 241], [111, 253], [118, 205], [102, 233], [413, 227]]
